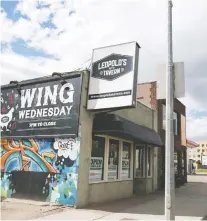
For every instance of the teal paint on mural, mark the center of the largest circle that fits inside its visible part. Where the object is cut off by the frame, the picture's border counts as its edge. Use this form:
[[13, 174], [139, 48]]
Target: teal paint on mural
[[15, 156], [62, 188], [59, 158], [37, 160], [7, 188]]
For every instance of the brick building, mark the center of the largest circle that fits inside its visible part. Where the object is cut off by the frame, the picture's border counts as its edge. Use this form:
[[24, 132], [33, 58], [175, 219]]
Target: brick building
[[147, 94]]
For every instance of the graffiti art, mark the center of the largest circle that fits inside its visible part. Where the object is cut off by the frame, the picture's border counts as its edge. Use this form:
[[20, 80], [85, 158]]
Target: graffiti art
[[40, 155], [56, 159], [61, 188]]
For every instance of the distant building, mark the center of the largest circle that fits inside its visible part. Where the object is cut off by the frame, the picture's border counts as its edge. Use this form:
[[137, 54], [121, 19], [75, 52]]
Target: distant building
[[191, 151], [197, 152]]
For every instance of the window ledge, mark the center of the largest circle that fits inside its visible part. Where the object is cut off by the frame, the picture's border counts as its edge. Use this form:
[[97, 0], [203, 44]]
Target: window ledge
[[110, 181], [139, 177]]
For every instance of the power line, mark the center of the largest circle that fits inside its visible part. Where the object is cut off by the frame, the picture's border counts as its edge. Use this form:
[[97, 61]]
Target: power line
[[77, 69]]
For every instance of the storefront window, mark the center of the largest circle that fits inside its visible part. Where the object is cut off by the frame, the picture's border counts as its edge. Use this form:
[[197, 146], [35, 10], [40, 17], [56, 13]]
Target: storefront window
[[113, 159], [139, 161], [126, 154], [149, 161], [97, 159]]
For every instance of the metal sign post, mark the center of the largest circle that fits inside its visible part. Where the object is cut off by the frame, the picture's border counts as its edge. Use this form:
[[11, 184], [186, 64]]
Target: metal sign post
[[169, 137]]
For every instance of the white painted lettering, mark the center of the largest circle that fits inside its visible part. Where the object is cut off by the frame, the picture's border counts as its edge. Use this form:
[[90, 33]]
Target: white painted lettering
[[50, 112], [33, 113], [39, 113], [21, 114], [27, 97], [62, 111], [68, 109], [39, 97], [56, 111], [70, 93], [45, 112], [27, 113], [49, 95]]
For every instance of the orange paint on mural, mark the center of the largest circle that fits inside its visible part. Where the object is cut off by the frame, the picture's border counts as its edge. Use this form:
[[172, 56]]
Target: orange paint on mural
[[11, 147]]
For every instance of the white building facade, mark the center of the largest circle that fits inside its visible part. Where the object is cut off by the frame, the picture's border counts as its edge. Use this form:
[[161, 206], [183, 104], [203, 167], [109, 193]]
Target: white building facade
[[196, 153]]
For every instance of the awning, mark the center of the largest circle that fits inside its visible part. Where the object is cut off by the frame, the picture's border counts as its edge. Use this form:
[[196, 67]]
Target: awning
[[113, 125]]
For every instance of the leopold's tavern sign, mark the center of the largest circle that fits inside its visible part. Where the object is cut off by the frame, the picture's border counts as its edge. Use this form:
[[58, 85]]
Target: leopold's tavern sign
[[113, 77], [112, 67]]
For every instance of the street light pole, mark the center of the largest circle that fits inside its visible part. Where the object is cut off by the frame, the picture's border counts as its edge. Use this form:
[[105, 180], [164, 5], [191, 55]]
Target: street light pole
[[169, 136]]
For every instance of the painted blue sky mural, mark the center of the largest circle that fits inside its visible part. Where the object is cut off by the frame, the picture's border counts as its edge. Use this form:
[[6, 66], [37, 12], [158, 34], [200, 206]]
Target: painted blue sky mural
[[43, 36]]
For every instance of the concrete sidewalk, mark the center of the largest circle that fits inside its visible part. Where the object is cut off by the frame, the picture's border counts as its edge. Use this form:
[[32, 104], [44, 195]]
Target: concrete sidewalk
[[191, 204]]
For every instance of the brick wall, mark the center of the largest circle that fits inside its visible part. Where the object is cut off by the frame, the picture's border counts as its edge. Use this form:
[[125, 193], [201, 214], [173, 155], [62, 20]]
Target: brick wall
[[147, 94]]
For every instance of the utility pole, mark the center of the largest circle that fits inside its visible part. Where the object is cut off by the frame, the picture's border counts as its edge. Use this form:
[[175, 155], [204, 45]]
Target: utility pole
[[169, 136]]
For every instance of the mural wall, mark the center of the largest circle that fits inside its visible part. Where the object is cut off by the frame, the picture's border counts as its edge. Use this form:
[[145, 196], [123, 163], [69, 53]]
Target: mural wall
[[54, 161]]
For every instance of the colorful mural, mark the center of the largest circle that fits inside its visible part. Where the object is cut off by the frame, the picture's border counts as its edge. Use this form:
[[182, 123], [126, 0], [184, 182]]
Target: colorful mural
[[61, 188], [59, 158], [40, 155]]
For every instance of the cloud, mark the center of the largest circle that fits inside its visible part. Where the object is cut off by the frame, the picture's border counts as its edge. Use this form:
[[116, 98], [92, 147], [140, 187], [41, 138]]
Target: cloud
[[27, 7], [197, 128], [196, 118], [6, 26], [94, 23]]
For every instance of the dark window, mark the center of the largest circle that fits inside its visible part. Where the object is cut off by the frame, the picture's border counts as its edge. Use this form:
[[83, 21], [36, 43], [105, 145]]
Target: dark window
[[149, 161], [178, 124], [113, 160], [126, 153], [97, 159], [139, 161]]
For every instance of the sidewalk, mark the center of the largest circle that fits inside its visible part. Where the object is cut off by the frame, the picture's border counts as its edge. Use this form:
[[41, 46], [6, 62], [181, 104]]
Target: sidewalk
[[191, 204]]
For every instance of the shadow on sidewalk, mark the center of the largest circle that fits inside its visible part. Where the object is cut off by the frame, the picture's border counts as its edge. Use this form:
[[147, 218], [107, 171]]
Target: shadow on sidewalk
[[205, 217], [191, 200], [126, 203]]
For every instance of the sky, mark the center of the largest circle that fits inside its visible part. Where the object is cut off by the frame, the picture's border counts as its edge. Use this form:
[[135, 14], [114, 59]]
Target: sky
[[39, 37]]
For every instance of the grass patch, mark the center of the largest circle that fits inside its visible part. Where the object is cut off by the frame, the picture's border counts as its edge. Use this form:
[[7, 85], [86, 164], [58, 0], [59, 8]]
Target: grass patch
[[201, 170]]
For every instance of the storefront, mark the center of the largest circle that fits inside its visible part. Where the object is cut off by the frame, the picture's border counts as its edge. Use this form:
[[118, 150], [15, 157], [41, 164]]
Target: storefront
[[67, 141], [111, 157], [122, 154]]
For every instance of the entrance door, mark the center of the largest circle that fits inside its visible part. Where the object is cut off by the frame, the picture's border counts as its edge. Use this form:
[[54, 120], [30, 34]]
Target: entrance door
[[139, 162]]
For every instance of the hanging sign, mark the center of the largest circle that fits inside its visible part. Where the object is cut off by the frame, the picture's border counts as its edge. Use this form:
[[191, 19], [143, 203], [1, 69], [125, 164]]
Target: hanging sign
[[113, 77]]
